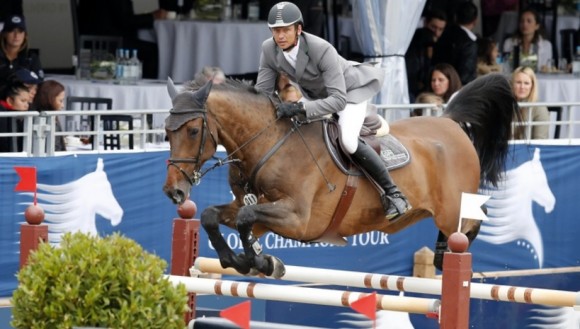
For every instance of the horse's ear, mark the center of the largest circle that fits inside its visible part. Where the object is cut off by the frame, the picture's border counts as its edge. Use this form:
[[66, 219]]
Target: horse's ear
[[171, 88], [200, 96]]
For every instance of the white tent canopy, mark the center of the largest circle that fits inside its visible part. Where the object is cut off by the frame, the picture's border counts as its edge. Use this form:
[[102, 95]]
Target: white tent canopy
[[384, 29]]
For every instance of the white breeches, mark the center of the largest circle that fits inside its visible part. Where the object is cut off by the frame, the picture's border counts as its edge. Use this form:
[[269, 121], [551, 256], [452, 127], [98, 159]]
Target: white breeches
[[351, 120]]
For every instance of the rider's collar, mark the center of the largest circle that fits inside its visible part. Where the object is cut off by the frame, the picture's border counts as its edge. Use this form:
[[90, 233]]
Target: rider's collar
[[292, 54]]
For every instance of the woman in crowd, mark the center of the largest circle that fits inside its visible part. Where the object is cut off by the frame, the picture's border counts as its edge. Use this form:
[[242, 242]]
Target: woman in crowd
[[14, 52], [50, 97], [444, 81], [534, 49], [14, 96], [525, 88], [487, 54]]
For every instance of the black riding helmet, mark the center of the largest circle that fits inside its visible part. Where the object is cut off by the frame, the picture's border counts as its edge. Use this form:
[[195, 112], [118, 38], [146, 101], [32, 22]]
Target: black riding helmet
[[284, 14]]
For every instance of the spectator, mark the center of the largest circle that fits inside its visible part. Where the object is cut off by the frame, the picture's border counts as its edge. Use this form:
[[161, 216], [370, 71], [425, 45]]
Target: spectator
[[444, 81], [418, 61], [525, 88], [426, 98], [457, 45], [30, 80], [13, 97], [15, 53], [436, 20], [420, 51], [50, 97], [487, 54], [117, 18], [534, 50]]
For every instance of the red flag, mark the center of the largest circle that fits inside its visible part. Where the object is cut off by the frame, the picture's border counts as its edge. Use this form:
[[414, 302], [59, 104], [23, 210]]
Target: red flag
[[27, 179], [366, 305], [238, 314]]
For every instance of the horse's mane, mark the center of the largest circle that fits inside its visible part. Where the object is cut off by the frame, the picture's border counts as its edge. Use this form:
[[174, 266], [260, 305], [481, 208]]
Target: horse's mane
[[244, 89]]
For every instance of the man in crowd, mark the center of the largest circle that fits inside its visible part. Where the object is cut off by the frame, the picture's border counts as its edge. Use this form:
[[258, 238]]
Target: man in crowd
[[458, 44]]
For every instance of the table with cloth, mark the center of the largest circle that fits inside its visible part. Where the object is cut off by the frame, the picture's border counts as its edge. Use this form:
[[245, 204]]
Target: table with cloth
[[145, 95]]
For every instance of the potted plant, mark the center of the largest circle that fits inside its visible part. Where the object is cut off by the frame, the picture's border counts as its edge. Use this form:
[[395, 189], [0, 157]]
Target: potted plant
[[89, 281]]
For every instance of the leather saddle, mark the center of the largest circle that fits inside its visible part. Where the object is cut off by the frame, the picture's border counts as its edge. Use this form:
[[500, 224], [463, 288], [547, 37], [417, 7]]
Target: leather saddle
[[375, 133]]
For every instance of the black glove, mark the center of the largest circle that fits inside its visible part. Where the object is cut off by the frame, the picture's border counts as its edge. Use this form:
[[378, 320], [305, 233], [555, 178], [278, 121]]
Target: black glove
[[288, 110]]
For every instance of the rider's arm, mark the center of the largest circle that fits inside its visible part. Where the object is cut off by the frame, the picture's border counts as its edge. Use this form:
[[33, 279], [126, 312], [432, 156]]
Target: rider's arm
[[330, 65], [267, 74]]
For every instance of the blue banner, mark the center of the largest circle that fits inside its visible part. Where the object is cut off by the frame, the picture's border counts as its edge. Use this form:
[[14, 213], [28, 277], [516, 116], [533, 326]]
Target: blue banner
[[532, 217]]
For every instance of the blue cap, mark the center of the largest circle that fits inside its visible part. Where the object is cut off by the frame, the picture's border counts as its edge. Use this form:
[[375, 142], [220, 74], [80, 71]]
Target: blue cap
[[26, 76], [14, 22]]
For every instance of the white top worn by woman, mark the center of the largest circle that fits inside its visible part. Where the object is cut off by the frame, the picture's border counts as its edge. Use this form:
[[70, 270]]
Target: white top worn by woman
[[542, 49]]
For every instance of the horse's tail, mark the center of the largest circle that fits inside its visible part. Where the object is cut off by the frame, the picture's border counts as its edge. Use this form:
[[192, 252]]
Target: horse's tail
[[486, 107]]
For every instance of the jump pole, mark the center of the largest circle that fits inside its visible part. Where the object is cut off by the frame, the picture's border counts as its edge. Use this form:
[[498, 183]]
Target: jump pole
[[515, 294], [306, 295]]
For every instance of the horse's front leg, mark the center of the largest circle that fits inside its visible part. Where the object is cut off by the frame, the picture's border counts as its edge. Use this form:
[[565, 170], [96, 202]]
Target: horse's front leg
[[268, 213], [211, 218]]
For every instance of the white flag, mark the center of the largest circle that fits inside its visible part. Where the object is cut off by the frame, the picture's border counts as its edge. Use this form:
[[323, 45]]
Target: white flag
[[471, 206]]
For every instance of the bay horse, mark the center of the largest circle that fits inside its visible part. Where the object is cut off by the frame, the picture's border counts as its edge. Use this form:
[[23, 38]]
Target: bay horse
[[286, 168]]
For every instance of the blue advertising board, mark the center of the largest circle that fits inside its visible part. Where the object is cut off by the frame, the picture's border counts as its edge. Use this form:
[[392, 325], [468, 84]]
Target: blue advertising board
[[532, 219]]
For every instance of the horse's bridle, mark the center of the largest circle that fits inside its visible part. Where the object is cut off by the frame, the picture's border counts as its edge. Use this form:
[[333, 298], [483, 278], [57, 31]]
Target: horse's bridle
[[196, 175]]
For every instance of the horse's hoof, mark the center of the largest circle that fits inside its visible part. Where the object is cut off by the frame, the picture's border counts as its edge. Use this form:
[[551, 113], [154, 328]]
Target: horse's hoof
[[254, 272], [278, 267]]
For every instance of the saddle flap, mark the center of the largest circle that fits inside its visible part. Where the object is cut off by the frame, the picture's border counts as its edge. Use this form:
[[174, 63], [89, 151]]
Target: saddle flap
[[392, 151]]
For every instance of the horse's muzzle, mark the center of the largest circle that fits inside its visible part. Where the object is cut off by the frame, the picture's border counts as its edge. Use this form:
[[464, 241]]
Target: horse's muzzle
[[176, 195]]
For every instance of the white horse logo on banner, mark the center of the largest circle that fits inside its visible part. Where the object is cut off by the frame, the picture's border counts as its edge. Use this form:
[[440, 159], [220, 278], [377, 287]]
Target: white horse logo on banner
[[555, 318], [510, 207], [72, 207]]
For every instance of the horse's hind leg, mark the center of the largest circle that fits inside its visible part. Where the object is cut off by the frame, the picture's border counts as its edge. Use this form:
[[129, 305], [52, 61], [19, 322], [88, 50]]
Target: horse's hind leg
[[211, 219]]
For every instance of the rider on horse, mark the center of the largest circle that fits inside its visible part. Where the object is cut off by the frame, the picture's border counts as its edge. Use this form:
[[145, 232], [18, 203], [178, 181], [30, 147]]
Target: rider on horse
[[333, 84]]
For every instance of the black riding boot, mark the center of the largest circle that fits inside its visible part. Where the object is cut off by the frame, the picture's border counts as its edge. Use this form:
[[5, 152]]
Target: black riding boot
[[394, 203]]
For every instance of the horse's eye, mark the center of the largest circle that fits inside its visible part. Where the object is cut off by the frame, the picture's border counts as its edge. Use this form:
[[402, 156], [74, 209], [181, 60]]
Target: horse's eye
[[193, 132]]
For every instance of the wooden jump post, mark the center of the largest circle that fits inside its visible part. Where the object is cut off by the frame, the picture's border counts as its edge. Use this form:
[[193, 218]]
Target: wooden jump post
[[32, 233], [185, 248]]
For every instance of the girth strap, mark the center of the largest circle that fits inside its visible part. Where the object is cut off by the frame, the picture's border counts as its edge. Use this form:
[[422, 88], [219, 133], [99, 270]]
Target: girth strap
[[331, 233]]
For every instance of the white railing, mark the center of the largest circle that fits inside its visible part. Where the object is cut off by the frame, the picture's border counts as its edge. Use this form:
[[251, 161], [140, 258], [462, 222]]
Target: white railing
[[568, 124], [39, 128]]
